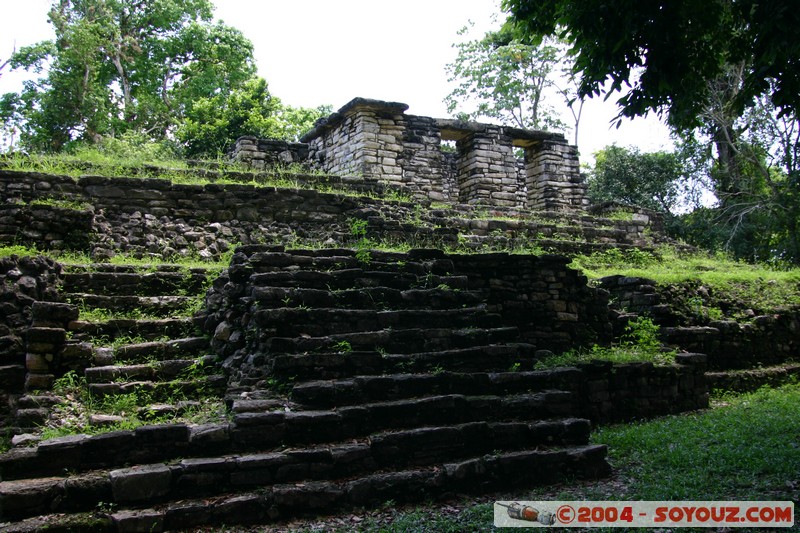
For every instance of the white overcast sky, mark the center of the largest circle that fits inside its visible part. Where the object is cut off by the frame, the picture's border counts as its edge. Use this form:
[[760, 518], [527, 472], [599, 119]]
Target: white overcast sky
[[315, 52]]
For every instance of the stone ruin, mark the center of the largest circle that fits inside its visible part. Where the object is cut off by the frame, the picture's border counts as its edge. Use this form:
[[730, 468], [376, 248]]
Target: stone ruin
[[350, 377], [373, 138]]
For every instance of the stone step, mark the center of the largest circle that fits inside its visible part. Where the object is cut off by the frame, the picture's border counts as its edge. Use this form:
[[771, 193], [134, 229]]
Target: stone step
[[135, 283], [158, 370], [364, 388], [136, 487], [159, 390], [398, 341], [81, 453], [270, 429], [279, 428], [114, 268], [366, 298], [330, 365], [158, 306], [294, 322], [269, 259], [150, 329], [190, 347], [356, 278]]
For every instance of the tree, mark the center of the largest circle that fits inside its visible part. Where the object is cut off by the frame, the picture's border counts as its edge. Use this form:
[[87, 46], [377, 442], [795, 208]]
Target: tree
[[123, 65], [3, 65], [719, 70], [213, 123], [667, 51], [650, 180], [759, 200], [506, 78]]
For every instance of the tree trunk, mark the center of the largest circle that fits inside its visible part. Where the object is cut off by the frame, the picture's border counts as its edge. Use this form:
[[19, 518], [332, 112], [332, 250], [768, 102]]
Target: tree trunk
[[125, 83]]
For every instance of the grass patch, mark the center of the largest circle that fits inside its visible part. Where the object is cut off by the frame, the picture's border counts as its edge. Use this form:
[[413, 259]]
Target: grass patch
[[733, 283], [72, 416], [158, 166], [747, 448], [639, 343], [72, 258], [667, 265], [19, 251], [100, 314]]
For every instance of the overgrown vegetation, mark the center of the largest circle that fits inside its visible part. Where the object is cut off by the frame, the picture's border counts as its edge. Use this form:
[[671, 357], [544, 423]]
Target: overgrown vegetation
[[136, 408], [669, 265], [639, 343], [72, 258], [145, 163]]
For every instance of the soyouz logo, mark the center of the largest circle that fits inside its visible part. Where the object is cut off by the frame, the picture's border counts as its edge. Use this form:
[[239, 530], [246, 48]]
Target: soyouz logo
[[644, 514]]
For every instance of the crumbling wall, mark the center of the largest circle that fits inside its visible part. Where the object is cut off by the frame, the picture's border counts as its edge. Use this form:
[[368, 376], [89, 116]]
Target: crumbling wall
[[28, 291], [153, 217], [266, 153], [767, 339], [377, 139]]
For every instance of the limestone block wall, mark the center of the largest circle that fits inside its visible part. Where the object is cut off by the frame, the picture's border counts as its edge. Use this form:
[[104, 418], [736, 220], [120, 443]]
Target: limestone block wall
[[364, 137], [763, 340], [377, 139], [553, 178], [550, 303], [32, 328], [487, 168], [48, 227], [153, 217], [449, 176], [162, 219], [265, 153], [623, 392], [425, 168]]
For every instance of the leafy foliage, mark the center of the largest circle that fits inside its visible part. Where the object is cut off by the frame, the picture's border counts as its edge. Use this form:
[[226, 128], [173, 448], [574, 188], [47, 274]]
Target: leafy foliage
[[626, 175], [154, 68], [752, 165], [726, 75], [506, 78], [640, 342], [212, 124], [668, 51], [123, 65]]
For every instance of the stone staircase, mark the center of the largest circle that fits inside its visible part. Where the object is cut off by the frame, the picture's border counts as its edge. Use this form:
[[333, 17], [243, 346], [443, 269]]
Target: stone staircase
[[162, 355], [353, 378], [134, 335]]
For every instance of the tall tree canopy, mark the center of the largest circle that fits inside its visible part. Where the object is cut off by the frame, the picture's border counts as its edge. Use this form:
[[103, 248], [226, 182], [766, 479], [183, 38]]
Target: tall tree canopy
[[726, 73], [506, 79], [151, 67], [668, 50], [213, 123], [650, 180]]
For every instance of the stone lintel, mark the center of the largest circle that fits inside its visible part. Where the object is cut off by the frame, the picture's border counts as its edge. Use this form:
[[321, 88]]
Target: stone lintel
[[356, 104], [456, 130]]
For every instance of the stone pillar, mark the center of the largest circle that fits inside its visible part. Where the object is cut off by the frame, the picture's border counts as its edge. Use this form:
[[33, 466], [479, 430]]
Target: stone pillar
[[487, 168], [245, 151], [554, 181], [365, 137], [46, 339], [422, 160]]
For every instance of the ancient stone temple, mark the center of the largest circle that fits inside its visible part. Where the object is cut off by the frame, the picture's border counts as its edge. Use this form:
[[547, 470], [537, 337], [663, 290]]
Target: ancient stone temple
[[378, 139]]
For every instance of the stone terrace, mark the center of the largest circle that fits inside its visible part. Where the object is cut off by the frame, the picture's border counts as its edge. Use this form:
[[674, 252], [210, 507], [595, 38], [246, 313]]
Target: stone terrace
[[352, 380], [378, 139]]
